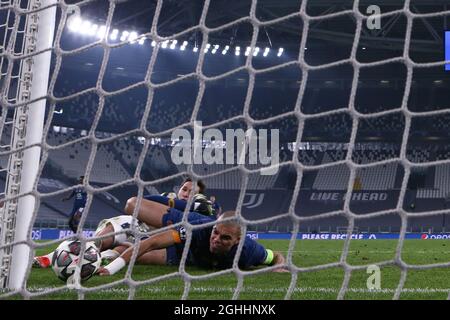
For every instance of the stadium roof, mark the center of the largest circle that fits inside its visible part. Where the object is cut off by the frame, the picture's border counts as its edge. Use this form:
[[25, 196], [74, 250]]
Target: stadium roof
[[178, 16]]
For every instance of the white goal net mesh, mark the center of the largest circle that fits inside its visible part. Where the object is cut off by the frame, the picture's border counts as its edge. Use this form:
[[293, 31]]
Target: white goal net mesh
[[13, 56]]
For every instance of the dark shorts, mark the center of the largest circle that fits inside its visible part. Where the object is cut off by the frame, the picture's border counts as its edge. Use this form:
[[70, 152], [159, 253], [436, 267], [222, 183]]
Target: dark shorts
[[174, 216], [76, 208], [173, 255]]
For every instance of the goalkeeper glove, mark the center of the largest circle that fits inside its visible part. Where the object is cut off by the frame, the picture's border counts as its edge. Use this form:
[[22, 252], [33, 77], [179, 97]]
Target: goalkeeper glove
[[202, 205]]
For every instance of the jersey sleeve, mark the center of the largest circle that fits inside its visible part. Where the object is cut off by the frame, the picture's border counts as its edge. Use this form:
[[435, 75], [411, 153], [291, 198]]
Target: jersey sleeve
[[199, 235], [254, 254], [179, 235], [173, 203]]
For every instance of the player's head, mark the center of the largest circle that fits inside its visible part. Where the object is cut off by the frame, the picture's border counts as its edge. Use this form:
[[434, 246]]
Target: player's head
[[81, 179], [186, 188], [225, 234], [212, 198]]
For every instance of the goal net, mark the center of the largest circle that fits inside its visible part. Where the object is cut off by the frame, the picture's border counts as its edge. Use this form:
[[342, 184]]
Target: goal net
[[70, 78]]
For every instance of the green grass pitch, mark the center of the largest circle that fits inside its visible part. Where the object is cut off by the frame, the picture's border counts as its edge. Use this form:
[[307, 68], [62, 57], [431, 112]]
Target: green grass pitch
[[431, 283]]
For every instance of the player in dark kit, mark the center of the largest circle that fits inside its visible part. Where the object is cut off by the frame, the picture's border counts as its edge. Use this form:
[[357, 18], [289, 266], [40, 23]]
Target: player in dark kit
[[111, 247], [152, 208], [212, 247], [78, 205], [178, 201]]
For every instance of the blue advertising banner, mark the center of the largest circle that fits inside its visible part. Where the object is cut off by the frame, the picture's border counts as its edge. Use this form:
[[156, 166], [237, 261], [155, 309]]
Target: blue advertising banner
[[52, 234], [447, 50], [339, 236]]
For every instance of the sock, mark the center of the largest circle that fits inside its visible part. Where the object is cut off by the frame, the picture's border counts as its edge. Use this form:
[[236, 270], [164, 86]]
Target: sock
[[46, 260], [50, 256], [109, 254]]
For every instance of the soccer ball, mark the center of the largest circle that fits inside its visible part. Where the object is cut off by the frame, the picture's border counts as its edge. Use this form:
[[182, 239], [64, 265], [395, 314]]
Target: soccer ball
[[67, 255]]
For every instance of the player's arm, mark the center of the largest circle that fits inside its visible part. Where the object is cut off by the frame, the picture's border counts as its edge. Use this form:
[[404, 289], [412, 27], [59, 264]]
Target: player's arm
[[159, 241], [274, 258], [255, 254], [278, 259], [69, 196]]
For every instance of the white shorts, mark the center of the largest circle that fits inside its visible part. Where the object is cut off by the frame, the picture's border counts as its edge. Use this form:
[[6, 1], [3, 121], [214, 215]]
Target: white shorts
[[121, 223]]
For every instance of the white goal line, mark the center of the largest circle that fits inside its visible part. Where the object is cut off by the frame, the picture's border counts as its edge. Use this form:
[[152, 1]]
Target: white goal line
[[202, 289]]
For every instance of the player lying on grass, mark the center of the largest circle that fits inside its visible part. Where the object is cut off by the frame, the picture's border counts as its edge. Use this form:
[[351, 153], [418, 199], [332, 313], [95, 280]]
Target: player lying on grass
[[111, 247], [212, 247], [200, 202], [155, 210], [114, 246]]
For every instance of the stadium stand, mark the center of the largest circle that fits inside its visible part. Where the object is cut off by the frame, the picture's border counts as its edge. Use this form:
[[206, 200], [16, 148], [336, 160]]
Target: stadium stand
[[73, 159]]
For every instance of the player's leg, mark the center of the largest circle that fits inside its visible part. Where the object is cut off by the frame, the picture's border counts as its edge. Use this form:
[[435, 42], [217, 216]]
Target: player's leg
[[43, 261], [71, 226], [170, 256], [111, 254], [103, 229], [74, 219], [113, 232], [155, 214], [155, 257], [149, 212], [114, 241], [77, 218]]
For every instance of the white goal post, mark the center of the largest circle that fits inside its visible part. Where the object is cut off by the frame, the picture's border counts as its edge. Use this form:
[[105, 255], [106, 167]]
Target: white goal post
[[38, 19]]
